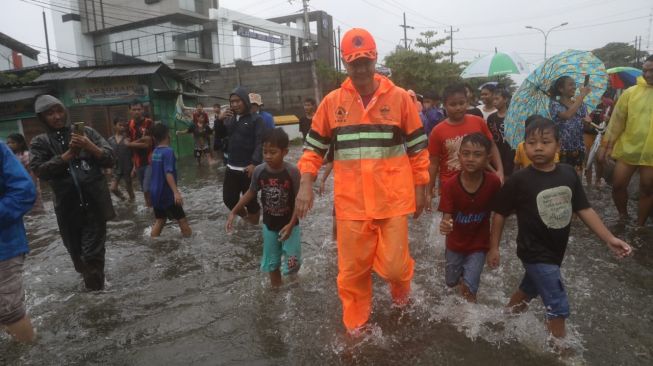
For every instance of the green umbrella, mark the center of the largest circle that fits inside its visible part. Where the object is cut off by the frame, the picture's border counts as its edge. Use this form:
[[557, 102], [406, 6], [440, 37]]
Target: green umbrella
[[498, 63]]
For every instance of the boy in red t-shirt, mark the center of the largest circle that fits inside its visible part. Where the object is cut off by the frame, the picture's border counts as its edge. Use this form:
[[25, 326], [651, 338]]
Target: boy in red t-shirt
[[465, 205], [445, 139]]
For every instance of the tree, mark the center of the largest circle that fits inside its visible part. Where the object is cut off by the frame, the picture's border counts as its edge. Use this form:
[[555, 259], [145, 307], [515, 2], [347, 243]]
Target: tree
[[423, 71], [620, 54], [328, 77]]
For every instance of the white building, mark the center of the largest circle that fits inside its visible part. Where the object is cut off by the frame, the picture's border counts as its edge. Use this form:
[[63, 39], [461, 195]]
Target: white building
[[185, 34]]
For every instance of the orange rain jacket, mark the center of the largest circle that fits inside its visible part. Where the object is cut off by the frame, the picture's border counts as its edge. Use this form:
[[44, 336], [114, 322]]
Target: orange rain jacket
[[380, 151]]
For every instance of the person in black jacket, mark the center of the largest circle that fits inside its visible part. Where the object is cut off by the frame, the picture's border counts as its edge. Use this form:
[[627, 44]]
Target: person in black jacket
[[72, 164], [244, 131]]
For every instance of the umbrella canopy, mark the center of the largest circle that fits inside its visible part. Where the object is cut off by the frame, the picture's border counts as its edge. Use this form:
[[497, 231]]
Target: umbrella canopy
[[498, 63], [532, 96], [623, 77]]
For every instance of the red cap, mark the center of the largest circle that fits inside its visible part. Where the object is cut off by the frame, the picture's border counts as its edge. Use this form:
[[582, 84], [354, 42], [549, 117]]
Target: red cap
[[357, 43]]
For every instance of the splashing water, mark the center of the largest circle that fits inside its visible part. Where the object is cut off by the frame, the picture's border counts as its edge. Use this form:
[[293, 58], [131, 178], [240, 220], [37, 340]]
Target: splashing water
[[203, 301]]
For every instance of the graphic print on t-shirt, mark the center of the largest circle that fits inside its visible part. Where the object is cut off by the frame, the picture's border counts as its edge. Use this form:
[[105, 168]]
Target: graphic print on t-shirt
[[275, 193], [453, 146], [554, 206]]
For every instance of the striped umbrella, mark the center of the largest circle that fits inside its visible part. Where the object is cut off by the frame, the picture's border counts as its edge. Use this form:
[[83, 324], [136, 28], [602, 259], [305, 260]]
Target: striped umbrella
[[532, 96], [623, 77], [498, 63]]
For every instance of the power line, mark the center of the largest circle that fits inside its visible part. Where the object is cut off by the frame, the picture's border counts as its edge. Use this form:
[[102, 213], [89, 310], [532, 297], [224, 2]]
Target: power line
[[178, 30], [419, 14], [508, 35]]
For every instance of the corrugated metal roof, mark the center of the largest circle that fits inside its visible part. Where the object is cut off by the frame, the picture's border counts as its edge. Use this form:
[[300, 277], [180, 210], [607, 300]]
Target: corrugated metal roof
[[103, 72], [15, 95]]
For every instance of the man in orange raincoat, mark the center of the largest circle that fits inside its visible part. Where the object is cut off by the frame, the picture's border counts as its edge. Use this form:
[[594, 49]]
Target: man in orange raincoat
[[380, 174]]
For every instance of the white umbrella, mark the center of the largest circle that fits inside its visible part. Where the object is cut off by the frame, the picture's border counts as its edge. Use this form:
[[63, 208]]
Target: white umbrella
[[495, 64]]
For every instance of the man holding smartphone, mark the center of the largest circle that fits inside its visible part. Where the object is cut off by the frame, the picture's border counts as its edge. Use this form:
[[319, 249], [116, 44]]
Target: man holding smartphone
[[244, 151], [72, 164]]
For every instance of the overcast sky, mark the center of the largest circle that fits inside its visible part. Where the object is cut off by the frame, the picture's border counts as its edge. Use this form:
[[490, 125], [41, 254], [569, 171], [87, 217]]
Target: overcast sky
[[483, 25]]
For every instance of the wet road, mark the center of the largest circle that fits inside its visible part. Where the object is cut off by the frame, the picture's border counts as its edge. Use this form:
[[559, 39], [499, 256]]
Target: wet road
[[203, 301]]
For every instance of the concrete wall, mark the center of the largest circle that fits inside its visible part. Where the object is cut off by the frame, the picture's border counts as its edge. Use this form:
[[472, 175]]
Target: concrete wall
[[283, 87]]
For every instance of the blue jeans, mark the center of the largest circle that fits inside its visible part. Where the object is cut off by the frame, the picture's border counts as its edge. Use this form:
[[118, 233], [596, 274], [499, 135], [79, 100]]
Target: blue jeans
[[468, 266], [544, 279]]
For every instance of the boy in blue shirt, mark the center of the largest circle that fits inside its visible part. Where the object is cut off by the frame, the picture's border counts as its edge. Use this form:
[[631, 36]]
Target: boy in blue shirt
[[166, 198], [278, 182], [544, 196]]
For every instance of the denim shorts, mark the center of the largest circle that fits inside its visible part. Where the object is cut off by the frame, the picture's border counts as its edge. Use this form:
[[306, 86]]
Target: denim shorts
[[274, 251], [544, 279], [468, 266]]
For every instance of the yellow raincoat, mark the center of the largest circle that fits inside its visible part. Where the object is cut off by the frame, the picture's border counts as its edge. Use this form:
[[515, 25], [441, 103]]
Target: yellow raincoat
[[630, 131]]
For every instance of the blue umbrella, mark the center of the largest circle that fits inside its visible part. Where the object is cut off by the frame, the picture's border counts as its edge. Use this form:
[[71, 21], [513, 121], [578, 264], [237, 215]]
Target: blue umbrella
[[532, 96], [623, 77]]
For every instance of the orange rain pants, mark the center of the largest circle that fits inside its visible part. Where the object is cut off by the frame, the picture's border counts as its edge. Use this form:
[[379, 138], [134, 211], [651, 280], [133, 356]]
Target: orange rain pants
[[364, 245]]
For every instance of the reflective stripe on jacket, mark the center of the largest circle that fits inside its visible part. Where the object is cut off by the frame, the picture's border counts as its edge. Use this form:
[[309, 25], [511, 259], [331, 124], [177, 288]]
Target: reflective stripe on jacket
[[380, 151]]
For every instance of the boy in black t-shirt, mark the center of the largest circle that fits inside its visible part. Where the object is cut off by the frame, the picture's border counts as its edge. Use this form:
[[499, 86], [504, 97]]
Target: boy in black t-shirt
[[278, 182], [544, 196]]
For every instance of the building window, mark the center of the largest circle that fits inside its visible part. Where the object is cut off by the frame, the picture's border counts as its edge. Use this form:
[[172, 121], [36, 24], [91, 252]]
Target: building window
[[98, 54], [191, 45], [136, 47], [187, 5], [160, 40], [120, 47]]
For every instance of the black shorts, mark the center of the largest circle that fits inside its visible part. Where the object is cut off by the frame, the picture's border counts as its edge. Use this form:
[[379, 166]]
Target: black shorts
[[236, 183], [575, 158], [173, 212]]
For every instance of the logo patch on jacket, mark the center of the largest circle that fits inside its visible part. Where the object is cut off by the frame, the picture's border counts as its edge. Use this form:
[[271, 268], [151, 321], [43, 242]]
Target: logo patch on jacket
[[341, 115], [385, 111]]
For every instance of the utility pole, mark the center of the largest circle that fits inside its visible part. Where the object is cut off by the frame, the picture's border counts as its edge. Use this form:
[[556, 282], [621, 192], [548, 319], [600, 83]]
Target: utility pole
[[307, 32], [405, 26], [451, 32], [650, 25], [339, 54], [47, 43]]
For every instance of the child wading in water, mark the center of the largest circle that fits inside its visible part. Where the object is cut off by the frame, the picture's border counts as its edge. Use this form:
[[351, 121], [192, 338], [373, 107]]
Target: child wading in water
[[465, 204], [123, 166], [545, 196], [278, 182], [444, 142], [201, 136], [166, 198]]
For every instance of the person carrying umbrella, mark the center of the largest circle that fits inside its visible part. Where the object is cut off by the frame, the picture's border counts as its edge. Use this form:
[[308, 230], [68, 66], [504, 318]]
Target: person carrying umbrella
[[568, 113], [629, 140]]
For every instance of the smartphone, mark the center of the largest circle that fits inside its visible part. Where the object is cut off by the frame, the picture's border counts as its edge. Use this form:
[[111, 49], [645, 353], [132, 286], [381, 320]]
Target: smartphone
[[78, 128], [587, 80]]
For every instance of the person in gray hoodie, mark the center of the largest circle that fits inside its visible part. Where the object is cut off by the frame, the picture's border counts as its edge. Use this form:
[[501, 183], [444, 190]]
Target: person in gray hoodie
[[244, 131], [72, 164]]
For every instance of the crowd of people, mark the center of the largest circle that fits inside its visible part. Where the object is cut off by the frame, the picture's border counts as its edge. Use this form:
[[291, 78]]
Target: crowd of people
[[393, 154]]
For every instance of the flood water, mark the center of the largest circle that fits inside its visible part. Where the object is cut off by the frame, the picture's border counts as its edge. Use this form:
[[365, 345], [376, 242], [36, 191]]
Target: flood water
[[203, 300]]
